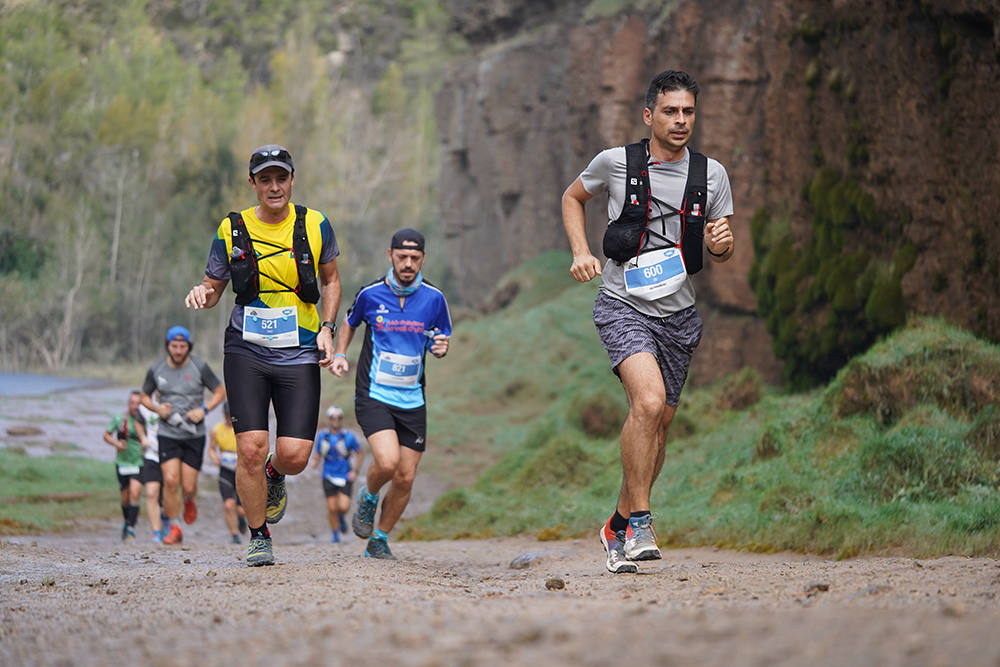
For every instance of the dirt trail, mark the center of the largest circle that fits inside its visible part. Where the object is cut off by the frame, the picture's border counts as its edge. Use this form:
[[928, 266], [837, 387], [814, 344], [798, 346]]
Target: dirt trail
[[86, 599]]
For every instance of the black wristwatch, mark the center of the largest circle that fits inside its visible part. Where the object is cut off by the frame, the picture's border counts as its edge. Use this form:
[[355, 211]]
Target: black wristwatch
[[332, 326]]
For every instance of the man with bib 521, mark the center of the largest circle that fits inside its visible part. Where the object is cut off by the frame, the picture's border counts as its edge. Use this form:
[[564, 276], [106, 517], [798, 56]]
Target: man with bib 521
[[281, 259], [665, 203]]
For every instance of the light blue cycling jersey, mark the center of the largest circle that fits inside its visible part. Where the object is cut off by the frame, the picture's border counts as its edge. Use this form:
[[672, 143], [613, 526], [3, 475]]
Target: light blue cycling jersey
[[391, 365]]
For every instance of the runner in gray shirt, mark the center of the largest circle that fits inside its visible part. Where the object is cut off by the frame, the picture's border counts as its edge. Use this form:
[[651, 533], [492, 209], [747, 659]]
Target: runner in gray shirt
[[180, 380], [644, 312]]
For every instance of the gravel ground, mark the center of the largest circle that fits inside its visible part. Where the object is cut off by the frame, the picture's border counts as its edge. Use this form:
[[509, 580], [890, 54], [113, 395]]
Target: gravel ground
[[84, 598]]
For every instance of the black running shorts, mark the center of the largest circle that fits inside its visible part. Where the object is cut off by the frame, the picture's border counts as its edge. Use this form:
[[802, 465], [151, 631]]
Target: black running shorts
[[410, 425], [331, 489], [189, 450], [252, 386], [124, 480], [227, 484], [150, 472]]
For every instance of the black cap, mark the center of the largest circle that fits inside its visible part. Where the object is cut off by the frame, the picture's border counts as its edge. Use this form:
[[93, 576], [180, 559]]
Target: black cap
[[271, 155], [408, 236]]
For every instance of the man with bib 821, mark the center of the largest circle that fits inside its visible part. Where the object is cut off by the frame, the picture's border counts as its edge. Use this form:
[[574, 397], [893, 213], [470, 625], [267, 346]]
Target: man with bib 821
[[281, 259], [660, 195], [405, 316]]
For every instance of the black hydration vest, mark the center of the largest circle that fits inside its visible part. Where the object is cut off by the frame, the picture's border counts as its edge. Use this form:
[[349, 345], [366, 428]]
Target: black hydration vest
[[626, 237], [245, 273]]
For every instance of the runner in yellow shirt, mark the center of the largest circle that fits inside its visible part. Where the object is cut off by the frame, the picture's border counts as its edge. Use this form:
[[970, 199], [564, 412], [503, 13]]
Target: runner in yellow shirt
[[222, 452]]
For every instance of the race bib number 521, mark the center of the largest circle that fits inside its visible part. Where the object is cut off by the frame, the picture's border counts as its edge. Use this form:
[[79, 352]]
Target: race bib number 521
[[271, 327]]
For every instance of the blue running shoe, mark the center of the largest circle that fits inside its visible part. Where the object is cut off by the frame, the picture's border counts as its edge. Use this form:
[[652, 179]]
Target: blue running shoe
[[363, 521], [343, 524], [640, 540], [378, 547], [335, 538]]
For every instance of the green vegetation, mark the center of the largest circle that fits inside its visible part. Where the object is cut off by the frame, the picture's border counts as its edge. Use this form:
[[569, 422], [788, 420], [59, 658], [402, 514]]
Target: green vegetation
[[126, 130], [47, 493], [899, 453], [829, 297]]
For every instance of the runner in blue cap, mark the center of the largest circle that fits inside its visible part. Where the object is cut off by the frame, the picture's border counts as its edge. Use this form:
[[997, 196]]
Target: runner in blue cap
[[179, 381]]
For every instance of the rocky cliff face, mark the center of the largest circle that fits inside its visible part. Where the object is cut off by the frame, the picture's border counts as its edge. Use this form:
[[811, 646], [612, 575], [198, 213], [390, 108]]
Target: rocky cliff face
[[899, 93]]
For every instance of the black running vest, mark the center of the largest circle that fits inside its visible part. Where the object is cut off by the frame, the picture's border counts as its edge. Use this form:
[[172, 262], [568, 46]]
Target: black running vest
[[245, 273], [626, 237]]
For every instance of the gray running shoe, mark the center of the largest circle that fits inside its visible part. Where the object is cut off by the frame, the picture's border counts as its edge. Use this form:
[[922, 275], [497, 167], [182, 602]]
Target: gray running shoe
[[259, 552], [277, 497], [363, 521], [378, 547], [640, 540], [617, 563]]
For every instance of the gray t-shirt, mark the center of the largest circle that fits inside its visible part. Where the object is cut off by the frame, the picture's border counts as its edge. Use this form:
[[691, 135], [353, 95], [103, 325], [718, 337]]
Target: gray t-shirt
[[606, 173], [183, 388]]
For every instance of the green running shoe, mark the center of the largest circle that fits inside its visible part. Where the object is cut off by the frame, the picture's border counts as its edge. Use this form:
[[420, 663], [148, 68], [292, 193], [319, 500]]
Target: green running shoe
[[259, 553], [277, 497]]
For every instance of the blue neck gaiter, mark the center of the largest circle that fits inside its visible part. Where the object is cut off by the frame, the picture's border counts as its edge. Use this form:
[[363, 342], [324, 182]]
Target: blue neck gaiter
[[402, 290]]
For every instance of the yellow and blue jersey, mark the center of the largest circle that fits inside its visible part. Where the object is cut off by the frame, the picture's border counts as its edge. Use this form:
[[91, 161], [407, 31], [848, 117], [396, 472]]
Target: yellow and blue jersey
[[276, 264]]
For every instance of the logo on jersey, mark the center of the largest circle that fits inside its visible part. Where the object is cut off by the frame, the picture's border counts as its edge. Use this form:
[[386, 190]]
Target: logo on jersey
[[382, 309]]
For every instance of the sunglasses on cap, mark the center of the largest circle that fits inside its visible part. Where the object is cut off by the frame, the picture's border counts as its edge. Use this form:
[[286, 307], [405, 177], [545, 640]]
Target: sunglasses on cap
[[260, 157]]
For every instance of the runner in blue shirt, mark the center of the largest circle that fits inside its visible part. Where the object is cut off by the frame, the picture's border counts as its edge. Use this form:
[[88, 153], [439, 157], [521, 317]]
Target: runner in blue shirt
[[341, 454], [405, 316]]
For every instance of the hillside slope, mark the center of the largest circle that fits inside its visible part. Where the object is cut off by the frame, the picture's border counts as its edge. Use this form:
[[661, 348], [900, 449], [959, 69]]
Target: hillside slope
[[901, 451]]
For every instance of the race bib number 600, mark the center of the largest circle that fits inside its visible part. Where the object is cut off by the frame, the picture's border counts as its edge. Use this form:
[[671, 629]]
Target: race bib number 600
[[271, 327], [655, 274]]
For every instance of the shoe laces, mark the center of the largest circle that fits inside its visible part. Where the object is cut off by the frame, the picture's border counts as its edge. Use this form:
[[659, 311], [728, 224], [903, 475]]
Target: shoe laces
[[366, 510]]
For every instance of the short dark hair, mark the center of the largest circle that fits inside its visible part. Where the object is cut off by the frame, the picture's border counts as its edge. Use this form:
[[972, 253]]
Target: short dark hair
[[668, 81]]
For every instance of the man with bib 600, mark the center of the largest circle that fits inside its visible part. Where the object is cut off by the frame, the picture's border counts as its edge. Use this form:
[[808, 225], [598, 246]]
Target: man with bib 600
[[281, 259], [405, 316], [660, 195]]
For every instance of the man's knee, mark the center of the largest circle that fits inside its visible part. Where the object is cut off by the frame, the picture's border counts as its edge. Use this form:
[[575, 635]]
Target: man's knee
[[402, 480], [295, 461], [387, 461], [649, 408], [252, 452]]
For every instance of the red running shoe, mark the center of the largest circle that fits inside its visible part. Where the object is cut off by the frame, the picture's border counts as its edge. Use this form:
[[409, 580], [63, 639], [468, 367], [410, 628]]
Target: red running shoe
[[175, 536], [190, 511]]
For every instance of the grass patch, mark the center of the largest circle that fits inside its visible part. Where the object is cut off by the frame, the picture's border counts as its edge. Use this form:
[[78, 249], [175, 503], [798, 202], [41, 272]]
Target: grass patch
[[899, 453], [46, 493]]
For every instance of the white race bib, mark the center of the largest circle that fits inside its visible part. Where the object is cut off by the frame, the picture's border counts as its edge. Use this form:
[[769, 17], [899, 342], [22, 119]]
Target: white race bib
[[397, 370], [338, 482], [125, 471], [655, 274], [228, 460], [271, 327]]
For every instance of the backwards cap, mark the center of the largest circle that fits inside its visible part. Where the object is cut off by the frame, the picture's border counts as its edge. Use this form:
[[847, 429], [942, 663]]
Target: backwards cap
[[178, 333], [409, 236]]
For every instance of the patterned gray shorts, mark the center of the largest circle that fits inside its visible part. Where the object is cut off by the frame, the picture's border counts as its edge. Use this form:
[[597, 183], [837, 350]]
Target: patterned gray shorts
[[625, 331]]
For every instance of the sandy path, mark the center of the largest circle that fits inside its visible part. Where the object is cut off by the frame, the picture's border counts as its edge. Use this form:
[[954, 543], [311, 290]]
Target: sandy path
[[86, 599], [83, 598]]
